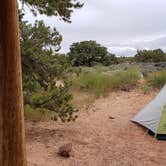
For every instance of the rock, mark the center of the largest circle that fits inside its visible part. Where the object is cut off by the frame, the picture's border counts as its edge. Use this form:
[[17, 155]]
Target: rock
[[160, 65], [110, 117], [65, 150], [94, 110]]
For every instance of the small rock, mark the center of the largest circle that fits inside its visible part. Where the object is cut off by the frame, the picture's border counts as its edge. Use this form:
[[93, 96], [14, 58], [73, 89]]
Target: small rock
[[110, 117], [94, 110], [65, 150]]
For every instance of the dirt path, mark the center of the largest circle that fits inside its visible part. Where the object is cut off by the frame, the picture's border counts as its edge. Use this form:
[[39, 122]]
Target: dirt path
[[97, 139]]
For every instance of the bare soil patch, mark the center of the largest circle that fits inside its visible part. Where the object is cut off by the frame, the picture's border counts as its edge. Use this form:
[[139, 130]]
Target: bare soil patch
[[102, 136]]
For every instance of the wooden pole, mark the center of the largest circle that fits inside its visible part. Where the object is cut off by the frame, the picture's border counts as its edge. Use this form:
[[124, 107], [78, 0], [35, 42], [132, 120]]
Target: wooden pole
[[12, 145]]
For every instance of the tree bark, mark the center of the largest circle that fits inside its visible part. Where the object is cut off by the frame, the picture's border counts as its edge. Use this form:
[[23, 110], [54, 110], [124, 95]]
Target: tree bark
[[12, 145]]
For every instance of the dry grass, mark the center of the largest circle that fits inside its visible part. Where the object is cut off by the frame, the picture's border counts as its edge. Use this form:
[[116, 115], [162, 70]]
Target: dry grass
[[82, 100], [101, 84], [157, 79]]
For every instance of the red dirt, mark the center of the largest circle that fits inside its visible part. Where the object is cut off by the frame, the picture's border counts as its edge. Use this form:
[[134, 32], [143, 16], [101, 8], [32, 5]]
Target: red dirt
[[103, 136]]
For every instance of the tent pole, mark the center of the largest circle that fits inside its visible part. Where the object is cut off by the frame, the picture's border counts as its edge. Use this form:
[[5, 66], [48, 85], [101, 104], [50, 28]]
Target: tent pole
[[12, 145]]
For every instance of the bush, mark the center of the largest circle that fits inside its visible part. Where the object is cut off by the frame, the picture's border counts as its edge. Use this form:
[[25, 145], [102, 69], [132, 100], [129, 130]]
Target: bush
[[57, 100], [101, 84], [146, 89], [150, 56], [157, 79]]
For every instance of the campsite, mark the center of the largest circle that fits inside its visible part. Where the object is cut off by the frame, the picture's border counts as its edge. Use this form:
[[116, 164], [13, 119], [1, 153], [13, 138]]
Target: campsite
[[97, 139], [82, 83], [118, 106]]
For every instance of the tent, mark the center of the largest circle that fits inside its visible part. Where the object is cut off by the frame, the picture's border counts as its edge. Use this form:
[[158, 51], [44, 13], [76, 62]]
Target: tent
[[153, 116]]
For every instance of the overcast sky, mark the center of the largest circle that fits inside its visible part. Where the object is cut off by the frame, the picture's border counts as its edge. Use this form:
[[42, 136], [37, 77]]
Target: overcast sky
[[123, 26]]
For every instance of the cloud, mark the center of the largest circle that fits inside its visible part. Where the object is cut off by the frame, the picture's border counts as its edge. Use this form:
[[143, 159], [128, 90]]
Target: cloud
[[128, 23], [123, 50], [130, 48]]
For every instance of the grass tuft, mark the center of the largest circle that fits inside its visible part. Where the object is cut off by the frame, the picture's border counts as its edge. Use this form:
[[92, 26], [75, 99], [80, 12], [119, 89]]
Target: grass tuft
[[101, 84], [157, 79], [37, 114]]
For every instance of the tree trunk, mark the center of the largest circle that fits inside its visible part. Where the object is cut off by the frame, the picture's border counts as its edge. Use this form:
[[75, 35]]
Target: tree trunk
[[12, 145]]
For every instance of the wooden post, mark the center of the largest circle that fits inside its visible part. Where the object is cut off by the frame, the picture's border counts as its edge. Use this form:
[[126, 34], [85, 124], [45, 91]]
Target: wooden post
[[12, 145]]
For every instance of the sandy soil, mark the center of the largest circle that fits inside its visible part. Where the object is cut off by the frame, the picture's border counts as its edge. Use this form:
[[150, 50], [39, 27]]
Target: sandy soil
[[97, 139]]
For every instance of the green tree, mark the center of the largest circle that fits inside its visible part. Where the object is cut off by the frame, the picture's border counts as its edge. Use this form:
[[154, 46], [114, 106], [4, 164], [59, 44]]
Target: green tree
[[110, 59], [150, 56], [41, 67], [12, 144], [88, 53], [62, 9], [39, 44]]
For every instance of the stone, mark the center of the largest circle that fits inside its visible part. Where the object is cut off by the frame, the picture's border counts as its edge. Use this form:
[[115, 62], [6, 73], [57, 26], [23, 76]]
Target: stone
[[65, 150], [111, 117]]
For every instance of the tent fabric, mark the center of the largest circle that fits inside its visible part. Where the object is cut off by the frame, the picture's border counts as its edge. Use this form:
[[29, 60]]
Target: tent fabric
[[150, 116], [162, 124]]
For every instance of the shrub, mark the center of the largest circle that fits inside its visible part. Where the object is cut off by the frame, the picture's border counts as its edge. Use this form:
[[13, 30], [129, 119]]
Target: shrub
[[157, 79], [146, 89], [54, 99], [150, 56]]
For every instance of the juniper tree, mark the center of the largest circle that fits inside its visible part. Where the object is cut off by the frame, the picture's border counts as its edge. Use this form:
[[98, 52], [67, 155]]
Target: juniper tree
[[12, 146]]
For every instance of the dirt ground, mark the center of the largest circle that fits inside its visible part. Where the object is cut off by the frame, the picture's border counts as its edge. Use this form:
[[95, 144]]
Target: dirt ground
[[102, 136]]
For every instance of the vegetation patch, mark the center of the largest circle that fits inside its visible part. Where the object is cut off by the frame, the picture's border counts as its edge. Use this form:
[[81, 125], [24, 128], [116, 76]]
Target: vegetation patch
[[157, 79], [125, 80], [82, 100], [37, 114], [100, 84]]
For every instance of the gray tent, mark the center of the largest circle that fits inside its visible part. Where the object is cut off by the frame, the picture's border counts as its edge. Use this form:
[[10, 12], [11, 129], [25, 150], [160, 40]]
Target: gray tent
[[153, 116]]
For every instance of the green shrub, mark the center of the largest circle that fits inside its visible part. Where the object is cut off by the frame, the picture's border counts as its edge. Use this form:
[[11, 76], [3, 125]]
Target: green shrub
[[156, 55], [157, 79], [146, 89], [57, 100], [101, 84]]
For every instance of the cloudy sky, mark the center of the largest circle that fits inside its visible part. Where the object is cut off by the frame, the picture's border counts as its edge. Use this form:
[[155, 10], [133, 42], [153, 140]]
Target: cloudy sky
[[123, 26]]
